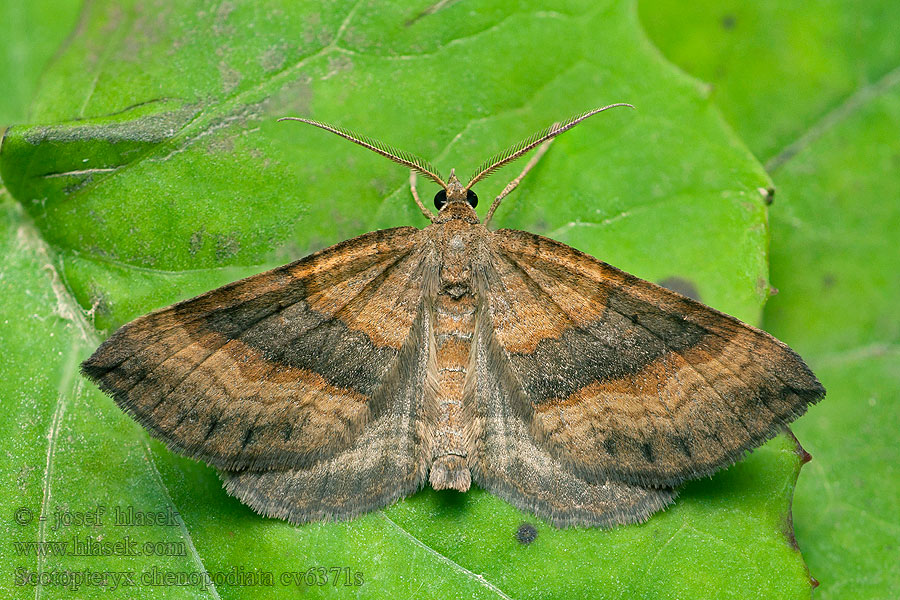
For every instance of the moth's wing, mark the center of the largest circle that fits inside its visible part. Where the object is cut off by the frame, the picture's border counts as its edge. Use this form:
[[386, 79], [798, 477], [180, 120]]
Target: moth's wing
[[507, 461], [386, 462], [279, 369], [623, 379]]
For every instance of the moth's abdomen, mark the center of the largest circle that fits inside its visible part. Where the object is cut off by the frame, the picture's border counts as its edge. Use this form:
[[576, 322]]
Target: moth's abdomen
[[454, 326]]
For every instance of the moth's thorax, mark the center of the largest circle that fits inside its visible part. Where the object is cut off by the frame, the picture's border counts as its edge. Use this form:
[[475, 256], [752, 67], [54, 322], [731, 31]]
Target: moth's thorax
[[457, 240], [456, 210]]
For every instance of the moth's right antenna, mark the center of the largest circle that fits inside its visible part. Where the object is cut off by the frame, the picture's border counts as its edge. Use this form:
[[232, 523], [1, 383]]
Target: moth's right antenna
[[525, 146], [406, 159]]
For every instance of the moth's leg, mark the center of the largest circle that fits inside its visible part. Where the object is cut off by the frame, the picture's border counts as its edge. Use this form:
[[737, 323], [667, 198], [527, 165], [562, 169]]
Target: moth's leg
[[415, 194], [542, 149]]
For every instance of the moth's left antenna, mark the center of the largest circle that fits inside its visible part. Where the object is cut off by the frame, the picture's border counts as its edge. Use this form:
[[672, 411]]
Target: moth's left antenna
[[406, 159]]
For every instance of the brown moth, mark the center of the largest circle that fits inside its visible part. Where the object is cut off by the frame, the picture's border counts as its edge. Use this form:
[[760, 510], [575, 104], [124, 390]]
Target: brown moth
[[339, 383]]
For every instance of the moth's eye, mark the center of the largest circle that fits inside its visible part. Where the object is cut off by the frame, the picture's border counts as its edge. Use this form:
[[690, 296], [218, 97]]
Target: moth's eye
[[440, 199], [472, 198]]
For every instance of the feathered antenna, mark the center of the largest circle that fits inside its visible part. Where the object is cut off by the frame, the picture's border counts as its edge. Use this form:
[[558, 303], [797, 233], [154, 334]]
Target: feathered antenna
[[525, 146], [406, 159]]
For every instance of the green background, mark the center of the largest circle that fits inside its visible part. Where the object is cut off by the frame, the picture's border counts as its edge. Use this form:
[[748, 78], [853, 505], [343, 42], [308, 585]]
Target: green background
[[144, 165]]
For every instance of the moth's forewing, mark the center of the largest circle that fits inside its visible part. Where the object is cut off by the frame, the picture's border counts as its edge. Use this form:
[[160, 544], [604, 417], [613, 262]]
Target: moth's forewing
[[277, 370], [619, 378]]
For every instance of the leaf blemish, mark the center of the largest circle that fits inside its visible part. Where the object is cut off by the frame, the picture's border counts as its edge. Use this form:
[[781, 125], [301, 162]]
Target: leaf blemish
[[196, 241], [526, 533], [227, 246], [683, 286]]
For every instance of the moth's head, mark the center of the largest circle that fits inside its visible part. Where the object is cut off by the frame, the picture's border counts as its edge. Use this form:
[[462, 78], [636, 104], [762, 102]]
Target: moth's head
[[455, 201]]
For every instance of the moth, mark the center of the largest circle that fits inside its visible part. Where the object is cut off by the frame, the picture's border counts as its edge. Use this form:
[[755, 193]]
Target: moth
[[453, 354]]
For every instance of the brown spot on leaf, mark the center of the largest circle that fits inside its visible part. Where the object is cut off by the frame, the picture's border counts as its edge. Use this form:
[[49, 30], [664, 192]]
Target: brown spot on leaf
[[231, 77], [196, 242], [227, 246], [272, 60], [683, 286]]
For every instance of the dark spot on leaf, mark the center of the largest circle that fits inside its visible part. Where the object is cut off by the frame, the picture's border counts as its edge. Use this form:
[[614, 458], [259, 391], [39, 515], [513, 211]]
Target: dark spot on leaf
[[196, 242], [79, 184], [728, 22], [683, 286], [526, 533], [222, 143], [338, 63], [147, 128], [227, 246], [220, 25], [828, 281]]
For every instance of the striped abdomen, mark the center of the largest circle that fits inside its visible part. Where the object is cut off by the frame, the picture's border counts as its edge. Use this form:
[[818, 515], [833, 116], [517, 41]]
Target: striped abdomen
[[454, 327]]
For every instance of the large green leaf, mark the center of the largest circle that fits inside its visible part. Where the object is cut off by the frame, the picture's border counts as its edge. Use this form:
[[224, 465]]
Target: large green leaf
[[777, 70], [154, 169], [839, 262], [835, 155], [32, 33]]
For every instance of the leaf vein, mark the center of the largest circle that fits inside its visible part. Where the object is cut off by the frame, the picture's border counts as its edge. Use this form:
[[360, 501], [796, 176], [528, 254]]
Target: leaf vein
[[157, 477], [479, 578], [841, 112]]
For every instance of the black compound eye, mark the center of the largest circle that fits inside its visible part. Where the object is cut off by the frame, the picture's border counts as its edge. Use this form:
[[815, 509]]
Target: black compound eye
[[440, 199], [472, 198]]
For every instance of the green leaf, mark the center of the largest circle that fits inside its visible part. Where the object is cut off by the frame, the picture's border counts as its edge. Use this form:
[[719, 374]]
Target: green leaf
[[32, 33], [153, 169], [777, 71], [839, 261], [834, 154]]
